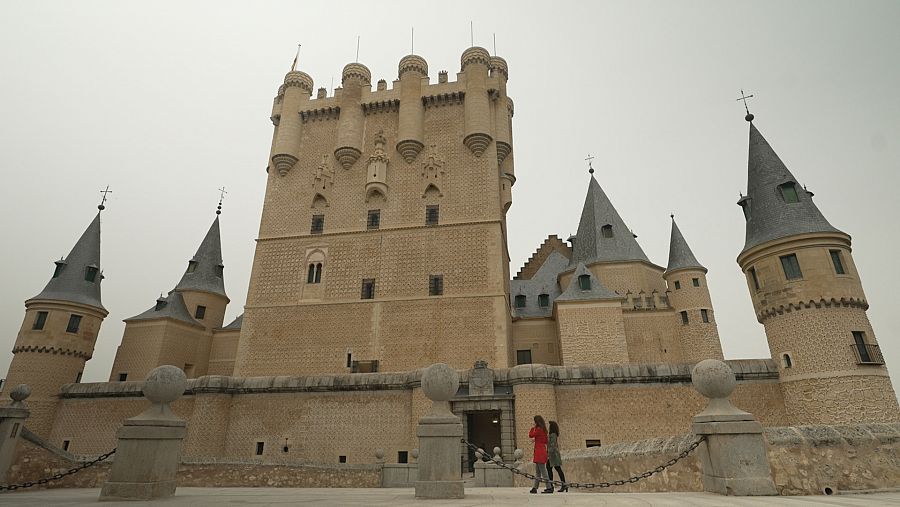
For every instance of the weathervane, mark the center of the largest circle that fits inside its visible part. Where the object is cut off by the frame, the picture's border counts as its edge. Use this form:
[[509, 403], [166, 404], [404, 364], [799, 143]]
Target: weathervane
[[590, 159], [102, 205], [744, 97], [222, 193]]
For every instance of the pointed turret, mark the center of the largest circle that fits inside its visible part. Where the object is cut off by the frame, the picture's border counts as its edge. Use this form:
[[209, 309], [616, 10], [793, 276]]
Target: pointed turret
[[77, 277], [776, 205], [205, 271], [602, 234], [680, 254]]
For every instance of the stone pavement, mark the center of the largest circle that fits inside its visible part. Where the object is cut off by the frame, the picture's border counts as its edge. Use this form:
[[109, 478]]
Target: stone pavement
[[218, 497]]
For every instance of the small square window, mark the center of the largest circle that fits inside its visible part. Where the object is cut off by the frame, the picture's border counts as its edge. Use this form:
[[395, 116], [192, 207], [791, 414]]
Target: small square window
[[684, 317], [192, 266], [544, 300], [789, 192], [584, 282], [200, 313], [594, 442], [260, 447], [791, 267], [695, 281], [373, 221], [66, 444], [342, 459], [39, 320], [606, 231], [90, 274], [435, 285], [520, 301], [523, 357], [704, 315], [677, 285], [402, 456], [838, 262], [754, 278], [74, 323], [432, 214], [123, 377], [368, 289], [318, 224]]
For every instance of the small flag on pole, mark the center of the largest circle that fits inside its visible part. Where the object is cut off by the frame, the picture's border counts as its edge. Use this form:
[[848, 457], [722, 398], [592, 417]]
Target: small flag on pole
[[294, 65]]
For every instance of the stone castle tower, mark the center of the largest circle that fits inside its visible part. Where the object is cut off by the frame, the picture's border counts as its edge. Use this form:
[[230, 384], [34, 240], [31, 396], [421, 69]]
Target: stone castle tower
[[807, 293], [382, 244], [60, 329]]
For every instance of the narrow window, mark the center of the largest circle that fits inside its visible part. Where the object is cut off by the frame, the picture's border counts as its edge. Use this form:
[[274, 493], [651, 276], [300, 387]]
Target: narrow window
[[220, 270], [200, 313], [594, 442], [432, 214], [677, 285], [342, 459], [786, 361], [523, 356], [435, 285], [402, 456], [368, 289], [78, 377], [789, 192], [836, 260], [260, 446], [123, 377], [349, 359], [862, 348], [374, 219], [39, 320], [584, 282], [311, 274], [59, 268], [318, 278], [704, 315], [520, 301], [90, 274], [318, 224], [66, 444], [695, 281], [684, 317], [791, 267], [192, 265], [544, 300], [753, 277], [606, 231], [74, 323]]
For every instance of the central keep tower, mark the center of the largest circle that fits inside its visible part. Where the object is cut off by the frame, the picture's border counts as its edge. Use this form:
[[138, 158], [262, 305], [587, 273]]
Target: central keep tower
[[382, 244]]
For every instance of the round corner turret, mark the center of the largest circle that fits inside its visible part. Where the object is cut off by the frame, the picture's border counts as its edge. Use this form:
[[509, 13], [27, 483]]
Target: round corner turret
[[413, 63], [356, 71]]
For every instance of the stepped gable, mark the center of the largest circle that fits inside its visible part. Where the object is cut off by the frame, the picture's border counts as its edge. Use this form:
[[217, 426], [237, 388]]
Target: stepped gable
[[537, 259]]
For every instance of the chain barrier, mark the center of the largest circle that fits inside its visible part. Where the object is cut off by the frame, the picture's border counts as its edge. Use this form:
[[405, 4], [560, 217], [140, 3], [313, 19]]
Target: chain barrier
[[590, 485], [56, 477]]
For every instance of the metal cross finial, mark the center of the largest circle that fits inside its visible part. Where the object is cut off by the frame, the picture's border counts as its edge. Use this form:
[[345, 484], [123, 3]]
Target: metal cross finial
[[744, 97], [102, 205], [590, 159], [222, 193]]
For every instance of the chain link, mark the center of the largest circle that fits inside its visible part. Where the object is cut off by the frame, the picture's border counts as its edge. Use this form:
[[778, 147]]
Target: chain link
[[591, 485], [56, 477]]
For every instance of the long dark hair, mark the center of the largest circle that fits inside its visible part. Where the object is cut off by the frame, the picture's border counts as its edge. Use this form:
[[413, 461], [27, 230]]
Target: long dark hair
[[554, 428], [539, 421]]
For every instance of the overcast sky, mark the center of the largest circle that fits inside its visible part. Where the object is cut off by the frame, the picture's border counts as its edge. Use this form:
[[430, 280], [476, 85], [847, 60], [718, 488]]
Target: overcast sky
[[167, 101]]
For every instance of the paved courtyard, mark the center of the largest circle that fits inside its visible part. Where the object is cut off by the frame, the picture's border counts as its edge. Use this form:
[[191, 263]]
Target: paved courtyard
[[201, 497]]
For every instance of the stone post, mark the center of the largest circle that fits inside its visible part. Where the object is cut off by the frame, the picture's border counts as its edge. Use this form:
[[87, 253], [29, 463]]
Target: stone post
[[439, 432], [733, 459], [12, 420], [149, 447]]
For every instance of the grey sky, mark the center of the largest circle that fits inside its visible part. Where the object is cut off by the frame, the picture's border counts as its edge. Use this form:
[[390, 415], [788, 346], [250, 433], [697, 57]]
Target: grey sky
[[166, 101]]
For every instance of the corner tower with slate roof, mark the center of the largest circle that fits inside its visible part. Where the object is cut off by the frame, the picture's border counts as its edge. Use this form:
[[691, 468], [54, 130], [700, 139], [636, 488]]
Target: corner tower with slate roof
[[60, 329], [807, 293], [183, 327]]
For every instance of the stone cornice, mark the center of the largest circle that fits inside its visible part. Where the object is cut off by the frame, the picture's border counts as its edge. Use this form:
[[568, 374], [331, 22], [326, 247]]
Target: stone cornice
[[443, 99], [381, 106], [812, 303], [52, 350], [321, 113]]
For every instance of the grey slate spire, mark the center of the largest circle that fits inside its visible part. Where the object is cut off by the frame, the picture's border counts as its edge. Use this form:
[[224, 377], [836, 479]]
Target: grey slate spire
[[593, 242], [597, 291], [72, 279], [767, 209], [680, 254], [205, 269]]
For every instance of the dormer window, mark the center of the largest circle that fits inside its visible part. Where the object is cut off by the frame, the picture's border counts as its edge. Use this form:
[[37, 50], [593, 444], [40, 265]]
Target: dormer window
[[220, 270], [90, 273], [520, 301], [789, 192], [192, 266], [160, 304], [606, 231], [60, 265], [584, 282]]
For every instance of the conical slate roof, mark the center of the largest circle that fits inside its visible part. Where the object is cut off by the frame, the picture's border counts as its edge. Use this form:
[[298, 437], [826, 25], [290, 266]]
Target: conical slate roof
[[590, 243], [596, 292], [680, 254], [236, 323], [769, 216], [205, 271], [71, 284], [171, 306]]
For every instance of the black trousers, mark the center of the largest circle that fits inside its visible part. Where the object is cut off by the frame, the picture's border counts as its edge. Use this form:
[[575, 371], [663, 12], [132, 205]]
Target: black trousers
[[562, 476]]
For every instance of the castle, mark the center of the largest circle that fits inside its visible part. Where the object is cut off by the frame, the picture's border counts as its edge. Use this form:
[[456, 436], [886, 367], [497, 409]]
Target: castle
[[382, 249]]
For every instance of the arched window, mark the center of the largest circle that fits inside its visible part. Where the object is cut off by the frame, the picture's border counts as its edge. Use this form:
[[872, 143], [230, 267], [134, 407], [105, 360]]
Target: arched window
[[786, 359], [606, 231], [311, 274], [318, 272]]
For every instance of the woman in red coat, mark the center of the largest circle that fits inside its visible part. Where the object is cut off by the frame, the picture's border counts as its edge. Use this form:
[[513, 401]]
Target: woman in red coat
[[539, 434]]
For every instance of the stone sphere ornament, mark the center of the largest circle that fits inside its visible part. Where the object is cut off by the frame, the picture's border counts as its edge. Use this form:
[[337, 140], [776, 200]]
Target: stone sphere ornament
[[165, 384], [713, 378], [20, 393], [415, 453], [379, 454], [440, 382]]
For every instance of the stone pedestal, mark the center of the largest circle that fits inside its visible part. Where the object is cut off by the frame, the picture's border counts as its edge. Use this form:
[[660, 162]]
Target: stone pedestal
[[439, 433], [733, 458], [12, 420], [149, 447]]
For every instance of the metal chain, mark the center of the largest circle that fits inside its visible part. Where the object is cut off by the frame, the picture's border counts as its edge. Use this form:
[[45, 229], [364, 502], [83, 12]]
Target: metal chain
[[56, 477], [591, 485]]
